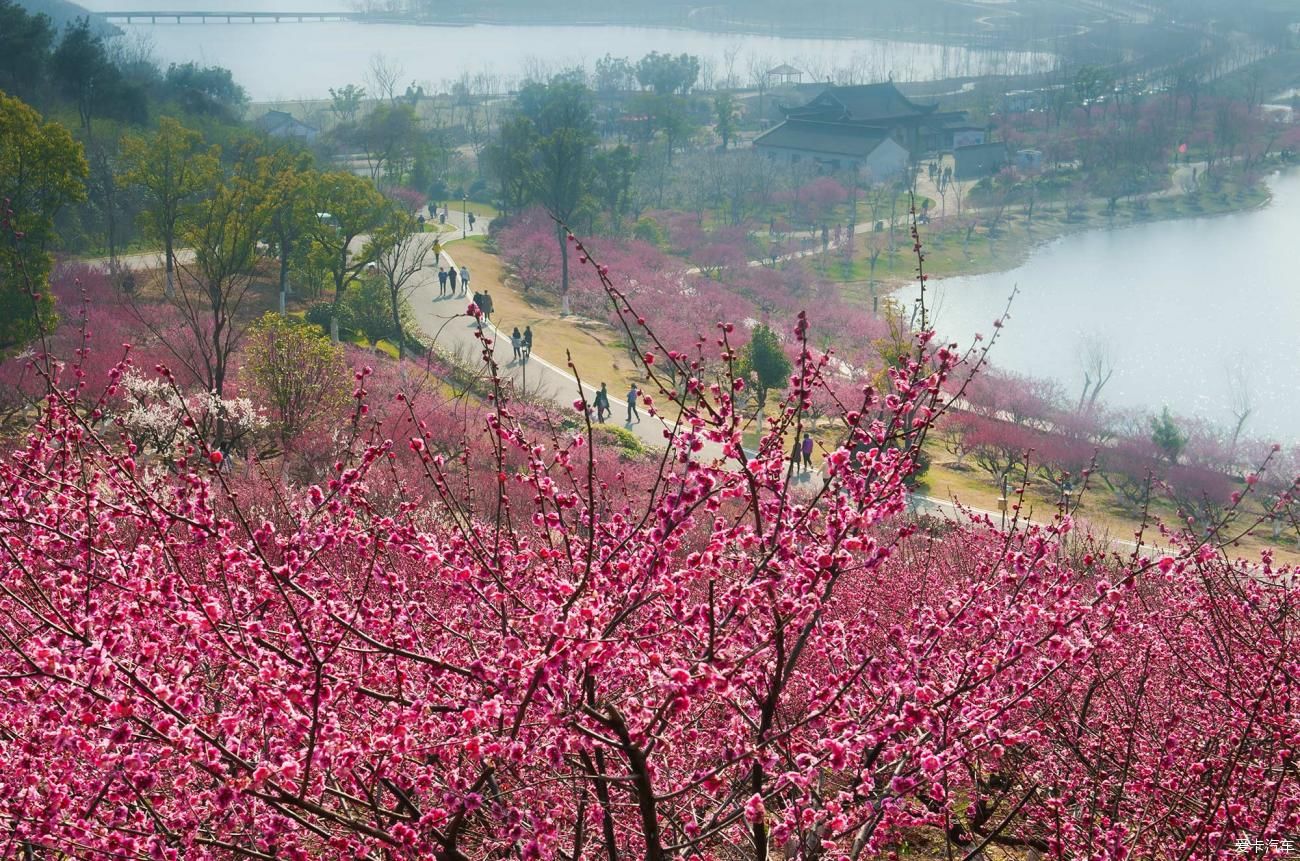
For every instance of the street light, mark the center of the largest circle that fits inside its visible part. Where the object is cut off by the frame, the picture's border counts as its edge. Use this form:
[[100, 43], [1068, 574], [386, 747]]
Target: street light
[[1002, 502], [464, 214]]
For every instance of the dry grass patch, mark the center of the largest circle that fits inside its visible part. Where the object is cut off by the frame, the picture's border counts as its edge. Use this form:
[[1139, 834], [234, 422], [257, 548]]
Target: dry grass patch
[[1097, 511], [596, 348]]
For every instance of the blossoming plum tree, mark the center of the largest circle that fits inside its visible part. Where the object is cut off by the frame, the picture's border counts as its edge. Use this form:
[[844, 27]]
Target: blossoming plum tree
[[709, 667]]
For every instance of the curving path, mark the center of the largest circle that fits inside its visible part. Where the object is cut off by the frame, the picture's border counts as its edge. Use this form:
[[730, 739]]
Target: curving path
[[444, 322]]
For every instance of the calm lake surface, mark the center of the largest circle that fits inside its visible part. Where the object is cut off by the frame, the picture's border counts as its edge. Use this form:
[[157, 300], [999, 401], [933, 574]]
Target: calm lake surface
[[302, 61], [1179, 304]]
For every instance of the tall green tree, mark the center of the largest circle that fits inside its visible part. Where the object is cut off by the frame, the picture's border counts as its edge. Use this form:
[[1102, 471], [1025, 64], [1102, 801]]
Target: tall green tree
[[172, 168], [399, 250], [766, 362], [222, 229], [669, 117], [345, 102], [87, 77], [368, 310], [205, 90], [42, 169], [288, 176], [612, 174], [25, 42], [388, 137], [666, 74], [1167, 436], [727, 113], [1090, 84], [563, 148], [346, 207], [509, 160]]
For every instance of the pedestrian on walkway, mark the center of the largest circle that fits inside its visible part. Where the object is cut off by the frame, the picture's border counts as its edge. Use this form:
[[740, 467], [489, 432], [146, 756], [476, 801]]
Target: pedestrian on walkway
[[516, 342], [794, 456], [807, 451], [442, 281], [478, 301], [486, 304], [464, 278], [632, 394], [472, 219], [602, 403], [451, 279], [528, 343]]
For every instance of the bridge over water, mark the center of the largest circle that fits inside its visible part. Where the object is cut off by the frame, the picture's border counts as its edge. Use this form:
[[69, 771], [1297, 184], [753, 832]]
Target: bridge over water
[[188, 16]]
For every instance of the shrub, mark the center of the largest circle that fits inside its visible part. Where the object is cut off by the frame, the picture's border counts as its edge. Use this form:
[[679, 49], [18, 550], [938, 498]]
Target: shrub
[[624, 440], [319, 314]]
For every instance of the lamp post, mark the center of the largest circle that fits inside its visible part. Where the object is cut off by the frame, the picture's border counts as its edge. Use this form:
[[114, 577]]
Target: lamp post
[[464, 215], [1002, 502]]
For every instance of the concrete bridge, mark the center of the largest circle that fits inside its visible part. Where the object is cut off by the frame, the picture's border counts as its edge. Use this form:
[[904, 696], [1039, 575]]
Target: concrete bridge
[[154, 16]]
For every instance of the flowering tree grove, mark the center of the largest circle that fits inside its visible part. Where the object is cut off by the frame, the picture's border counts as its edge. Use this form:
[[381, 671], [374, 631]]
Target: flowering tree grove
[[710, 666]]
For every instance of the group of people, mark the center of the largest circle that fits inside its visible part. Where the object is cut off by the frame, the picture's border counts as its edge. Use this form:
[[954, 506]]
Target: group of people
[[801, 451], [600, 404], [441, 212], [447, 278], [522, 344]]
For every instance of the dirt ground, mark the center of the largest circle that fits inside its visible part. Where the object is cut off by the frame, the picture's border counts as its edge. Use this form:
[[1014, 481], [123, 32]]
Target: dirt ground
[[593, 346]]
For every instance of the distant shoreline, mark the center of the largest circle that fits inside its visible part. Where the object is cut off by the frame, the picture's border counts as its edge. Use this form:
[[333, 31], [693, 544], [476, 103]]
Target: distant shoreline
[[1013, 259]]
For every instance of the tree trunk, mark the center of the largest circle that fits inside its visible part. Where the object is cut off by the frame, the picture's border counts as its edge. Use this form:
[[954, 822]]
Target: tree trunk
[[284, 277], [564, 271], [397, 327], [170, 264]]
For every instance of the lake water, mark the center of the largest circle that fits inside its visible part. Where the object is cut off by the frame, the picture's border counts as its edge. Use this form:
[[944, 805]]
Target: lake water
[[1179, 304], [299, 61]]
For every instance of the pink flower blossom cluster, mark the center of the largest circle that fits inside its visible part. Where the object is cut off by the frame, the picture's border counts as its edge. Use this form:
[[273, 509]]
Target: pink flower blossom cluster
[[433, 652]]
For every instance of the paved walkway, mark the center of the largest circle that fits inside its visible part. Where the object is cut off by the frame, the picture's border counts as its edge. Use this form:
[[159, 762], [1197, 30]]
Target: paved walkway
[[443, 321]]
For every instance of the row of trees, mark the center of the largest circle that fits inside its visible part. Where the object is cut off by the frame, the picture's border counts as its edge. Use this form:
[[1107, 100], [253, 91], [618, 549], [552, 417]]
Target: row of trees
[[1017, 429], [487, 638], [103, 92], [228, 211], [77, 70]]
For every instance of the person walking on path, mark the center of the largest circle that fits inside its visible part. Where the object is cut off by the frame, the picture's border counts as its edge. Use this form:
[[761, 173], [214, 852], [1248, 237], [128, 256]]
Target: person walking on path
[[478, 302], [632, 394], [451, 279], [516, 342], [464, 278], [528, 343], [472, 219], [442, 281], [807, 451], [794, 456], [602, 403], [485, 302]]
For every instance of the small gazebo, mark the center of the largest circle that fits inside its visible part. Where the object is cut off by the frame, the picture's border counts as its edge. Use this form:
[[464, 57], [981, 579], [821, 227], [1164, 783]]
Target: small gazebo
[[784, 74]]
